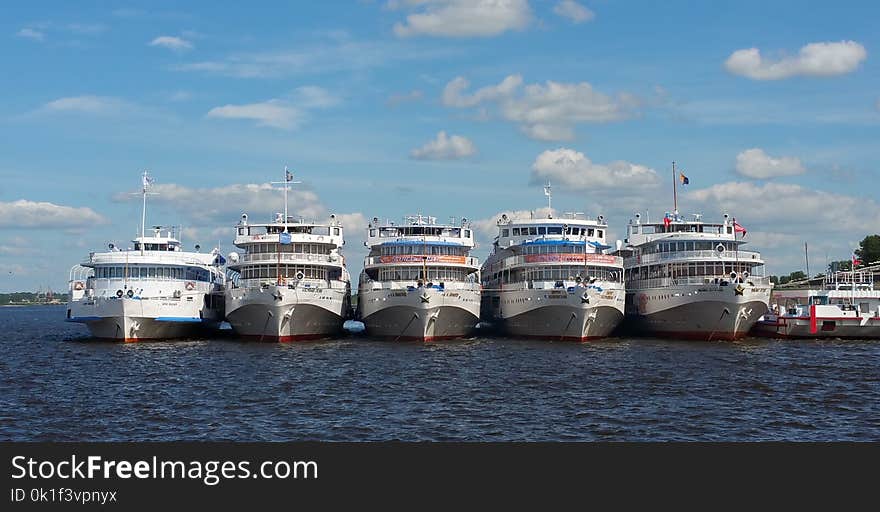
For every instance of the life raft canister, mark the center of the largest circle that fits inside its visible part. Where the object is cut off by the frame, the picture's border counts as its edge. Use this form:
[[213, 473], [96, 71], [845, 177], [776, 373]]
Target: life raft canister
[[190, 285]]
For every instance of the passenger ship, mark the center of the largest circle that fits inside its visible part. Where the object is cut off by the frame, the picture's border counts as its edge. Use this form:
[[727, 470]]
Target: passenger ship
[[550, 278], [290, 283], [846, 305], [154, 290], [690, 279], [419, 281]]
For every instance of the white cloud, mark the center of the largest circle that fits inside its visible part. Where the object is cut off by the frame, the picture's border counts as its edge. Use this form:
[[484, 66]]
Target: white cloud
[[814, 59], [463, 18], [574, 11], [755, 163], [781, 204], [44, 215], [94, 105], [172, 43], [546, 111], [331, 55], [574, 171], [32, 34], [398, 99], [445, 147], [285, 113], [274, 113]]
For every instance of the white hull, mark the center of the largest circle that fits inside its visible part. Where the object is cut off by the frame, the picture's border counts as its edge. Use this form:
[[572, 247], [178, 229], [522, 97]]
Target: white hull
[[279, 313], [699, 311], [422, 314], [576, 313], [136, 319]]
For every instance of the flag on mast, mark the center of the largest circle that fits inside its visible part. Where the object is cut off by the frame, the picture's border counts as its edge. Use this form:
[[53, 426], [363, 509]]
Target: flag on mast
[[855, 261], [288, 176], [684, 179], [737, 228], [547, 189], [146, 180]]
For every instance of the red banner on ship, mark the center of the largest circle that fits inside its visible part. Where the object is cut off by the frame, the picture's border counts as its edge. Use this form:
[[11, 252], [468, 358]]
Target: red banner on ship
[[568, 258], [418, 258]]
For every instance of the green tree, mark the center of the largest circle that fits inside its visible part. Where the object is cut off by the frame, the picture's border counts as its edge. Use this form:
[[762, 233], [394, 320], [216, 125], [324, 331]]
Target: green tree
[[869, 249], [797, 275]]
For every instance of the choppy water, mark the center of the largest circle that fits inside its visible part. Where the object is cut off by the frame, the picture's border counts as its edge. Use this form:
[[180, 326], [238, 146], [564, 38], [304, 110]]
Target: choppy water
[[57, 384]]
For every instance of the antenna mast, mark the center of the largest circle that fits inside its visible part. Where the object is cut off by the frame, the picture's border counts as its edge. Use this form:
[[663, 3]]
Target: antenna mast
[[548, 191], [288, 180], [146, 181], [674, 191]]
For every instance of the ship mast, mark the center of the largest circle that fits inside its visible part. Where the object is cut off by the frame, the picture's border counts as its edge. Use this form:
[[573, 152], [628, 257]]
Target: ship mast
[[674, 191], [288, 180], [146, 181], [548, 191]]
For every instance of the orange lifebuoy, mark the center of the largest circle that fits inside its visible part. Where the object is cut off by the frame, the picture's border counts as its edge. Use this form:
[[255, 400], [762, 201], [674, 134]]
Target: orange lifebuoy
[[190, 285]]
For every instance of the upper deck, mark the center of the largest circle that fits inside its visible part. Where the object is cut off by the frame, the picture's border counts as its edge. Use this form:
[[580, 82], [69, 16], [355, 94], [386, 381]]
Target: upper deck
[[420, 230], [292, 231], [162, 248], [678, 228], [572, 227]]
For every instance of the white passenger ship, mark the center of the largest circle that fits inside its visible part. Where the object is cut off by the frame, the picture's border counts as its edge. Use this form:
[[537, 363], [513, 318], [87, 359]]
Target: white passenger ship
[[290, 283], [550, 278], [419, 280], [846, 305], [153, 290], [690, 279]]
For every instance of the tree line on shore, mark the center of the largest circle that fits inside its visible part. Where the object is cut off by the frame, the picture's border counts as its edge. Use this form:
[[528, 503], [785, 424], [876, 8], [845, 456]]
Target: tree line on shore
[[867, 254]]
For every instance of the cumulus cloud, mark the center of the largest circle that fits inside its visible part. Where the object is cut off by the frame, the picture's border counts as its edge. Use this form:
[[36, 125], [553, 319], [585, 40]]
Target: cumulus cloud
[[172, 43], [788, 204], [755, 163], [815, 59], [285, 113], [209, 205], [274, 113], [32, 34], [462, 18], [445, 147], [575, 171], [44, 215], [546, 111], [95, 105], [574, 11]]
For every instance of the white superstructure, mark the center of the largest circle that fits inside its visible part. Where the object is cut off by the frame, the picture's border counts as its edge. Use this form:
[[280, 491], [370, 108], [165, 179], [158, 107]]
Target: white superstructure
[[691, 279], [550, 278], [151, 290], [845, 305], [419, 280], [290, 282]]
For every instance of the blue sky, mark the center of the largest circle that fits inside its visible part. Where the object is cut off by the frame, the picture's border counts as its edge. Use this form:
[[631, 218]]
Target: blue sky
[[451, 108]]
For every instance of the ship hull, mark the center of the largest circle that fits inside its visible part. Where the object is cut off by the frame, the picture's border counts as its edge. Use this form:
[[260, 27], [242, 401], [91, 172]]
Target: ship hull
[[419, 314], [125, 319], [696, 312], [574, 314], [259, 314], [806, 328]]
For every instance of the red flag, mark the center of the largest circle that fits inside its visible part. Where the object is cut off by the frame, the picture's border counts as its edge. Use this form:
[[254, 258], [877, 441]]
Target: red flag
[[855, 261], [667, 221], [737, 228]]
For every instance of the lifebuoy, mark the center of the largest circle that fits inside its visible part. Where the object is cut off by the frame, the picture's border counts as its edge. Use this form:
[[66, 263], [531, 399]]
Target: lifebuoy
[[300, 275], [190, 285], [719, 248], [119, 293], [130, 293]]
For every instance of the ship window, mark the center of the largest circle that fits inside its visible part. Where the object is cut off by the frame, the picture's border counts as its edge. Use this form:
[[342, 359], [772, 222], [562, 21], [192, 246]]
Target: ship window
[[554, 230], [591, 232], [515, 231], [542, 230], [467, 233], [599, 233], [505, 232], [533, 230]]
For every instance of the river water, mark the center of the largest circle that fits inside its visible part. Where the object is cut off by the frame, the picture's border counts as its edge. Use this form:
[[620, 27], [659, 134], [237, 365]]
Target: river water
[[57, 384]]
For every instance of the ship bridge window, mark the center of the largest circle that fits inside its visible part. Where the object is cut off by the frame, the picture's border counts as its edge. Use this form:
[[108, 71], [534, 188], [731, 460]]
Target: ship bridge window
[[591, 232], [600, 233], [374, 232], [505, 232], [515, 231], [542, 230], [554, 230], [533, 230]]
